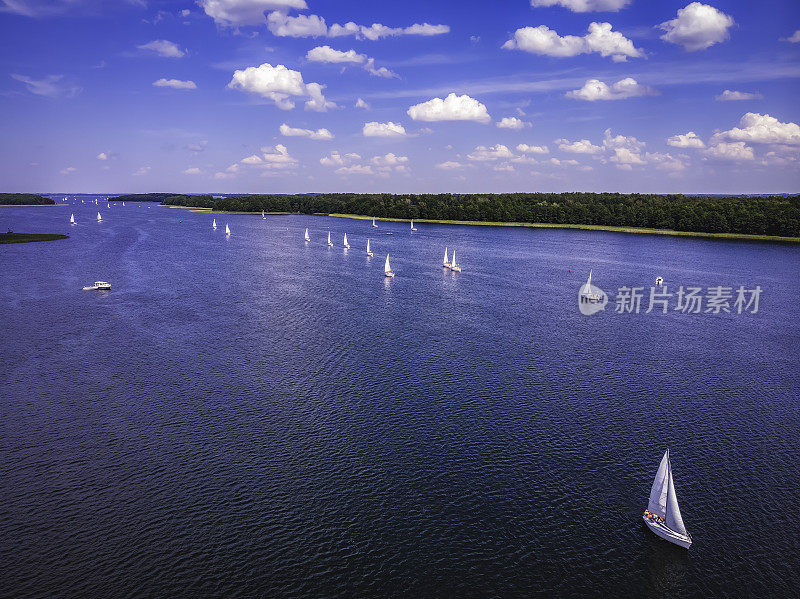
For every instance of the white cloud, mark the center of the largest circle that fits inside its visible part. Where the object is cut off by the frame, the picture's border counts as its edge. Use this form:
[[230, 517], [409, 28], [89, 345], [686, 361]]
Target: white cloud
[[685, 140], [761, 128], [68, 170], [271, 158], [584, 5], [449, 165], [582, 146], [175, 84], [731, 96], [496, 152], [197, 147], [389, 160], [594, 89], [794, 38], [697, 27], [526, 149], [512, 122], [666, 162], [192, 171], [600, 39], [141, 171], [282, 25], [52, 86], [322, 134], [621, 141], [280, 84], [452, 108], [245, 12], [102, 156], [356, 169], [163, 48], [737, 150], [362, 104], [390, 129], [335, 158], [329, 55]]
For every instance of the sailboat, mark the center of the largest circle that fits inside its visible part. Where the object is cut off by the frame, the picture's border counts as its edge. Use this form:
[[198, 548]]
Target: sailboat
[[330, 243], [99, 218], [307, 238], [214, 223], [346, 245], [369, 251], [586, 292], [373, 223], [123, 203], [263, 216], [413, 228], [387, 270], [72, 219], [453, 266], [227, 230], [663, 516], [445, 262]]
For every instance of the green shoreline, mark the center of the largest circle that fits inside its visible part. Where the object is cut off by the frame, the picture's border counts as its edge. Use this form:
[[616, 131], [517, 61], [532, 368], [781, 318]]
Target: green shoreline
[[29, 237], [609, 228]]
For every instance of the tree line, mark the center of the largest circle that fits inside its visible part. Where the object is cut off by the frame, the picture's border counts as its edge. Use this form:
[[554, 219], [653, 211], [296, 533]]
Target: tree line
[[21, 199], [755, 215]]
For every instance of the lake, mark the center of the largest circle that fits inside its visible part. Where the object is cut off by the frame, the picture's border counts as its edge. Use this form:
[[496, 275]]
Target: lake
[[258, 416]]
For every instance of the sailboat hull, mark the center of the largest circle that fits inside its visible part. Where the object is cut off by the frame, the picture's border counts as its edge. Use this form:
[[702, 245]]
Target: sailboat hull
[[667, 534]]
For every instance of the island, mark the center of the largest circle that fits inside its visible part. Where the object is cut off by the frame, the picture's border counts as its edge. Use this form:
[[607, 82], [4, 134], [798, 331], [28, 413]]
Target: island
[[25, 199], [141, 197], [29, 237], [771, 218]]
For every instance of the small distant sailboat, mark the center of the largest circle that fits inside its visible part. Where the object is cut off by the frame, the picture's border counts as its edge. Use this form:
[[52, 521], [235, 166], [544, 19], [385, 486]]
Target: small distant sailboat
[[373, 223], [330, 243], [227, 230], [445, 262], [307, 238], [263, 216], [214, 224], [663, 516], [72, 219], [413, 228], [369, 251], [95, 201], [123, 203], [586, 292], [453, 266], [387, 269], [346, 245], [99, 218]]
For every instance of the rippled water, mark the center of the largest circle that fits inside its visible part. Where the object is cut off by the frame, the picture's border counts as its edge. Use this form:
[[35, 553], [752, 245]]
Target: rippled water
[[255, 416]]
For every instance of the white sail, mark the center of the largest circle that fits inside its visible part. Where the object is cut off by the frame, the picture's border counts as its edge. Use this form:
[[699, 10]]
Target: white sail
[[658, 493], [453, 259], [347, 245], [329, 238], [123, 203], [412, 224], [99, 218], [263, 215], [587, 289], [445, 262], [214, 223], [72, 218], [373, 223], [307, 238], [227, 230], [368, 250], [386, 267], [673, 519]]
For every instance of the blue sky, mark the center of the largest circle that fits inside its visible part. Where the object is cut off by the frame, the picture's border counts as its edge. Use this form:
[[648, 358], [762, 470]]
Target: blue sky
[[520, 95]]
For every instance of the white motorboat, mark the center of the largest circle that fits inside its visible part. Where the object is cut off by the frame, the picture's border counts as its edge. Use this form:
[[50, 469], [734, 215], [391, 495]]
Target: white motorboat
[[663, 516], [659, 281], [98, 286], [387, 269]]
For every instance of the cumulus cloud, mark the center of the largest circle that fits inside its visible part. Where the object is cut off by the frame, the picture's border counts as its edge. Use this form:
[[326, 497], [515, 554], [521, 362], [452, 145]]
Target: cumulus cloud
[[163, 48], [335, 158], [452, 108], [512, 122], [761, 128], [175, 84], [582, 146], [389, 159], [52, 86], [794, 38], [600, 39], [732, 96], [362, 104], [666, 162], [329, 55], [496, 152], [283, 25], [280, 84], [192, 171], [245, 12], [526, 149], [686, 140], [321, 134], [594, 89], [390, 129], [736, 150], [271, 158], [449, 165], [355, 169], [697, 27], [584, 5]]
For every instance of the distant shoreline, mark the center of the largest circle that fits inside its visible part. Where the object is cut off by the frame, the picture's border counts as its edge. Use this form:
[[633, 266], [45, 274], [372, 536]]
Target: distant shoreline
[[29, 237], [30, 205]]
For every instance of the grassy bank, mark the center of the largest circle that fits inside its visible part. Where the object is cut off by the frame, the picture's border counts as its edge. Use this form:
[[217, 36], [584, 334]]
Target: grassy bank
[[641, 231], [29, 237]]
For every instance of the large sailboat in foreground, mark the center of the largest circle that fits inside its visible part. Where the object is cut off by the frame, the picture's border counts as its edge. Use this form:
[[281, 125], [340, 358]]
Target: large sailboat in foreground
[[587, 294], [663, 516]]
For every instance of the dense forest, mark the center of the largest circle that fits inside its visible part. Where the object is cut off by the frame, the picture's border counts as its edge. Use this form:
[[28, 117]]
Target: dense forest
[[141, 197], [22, 199], [767, 215]]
